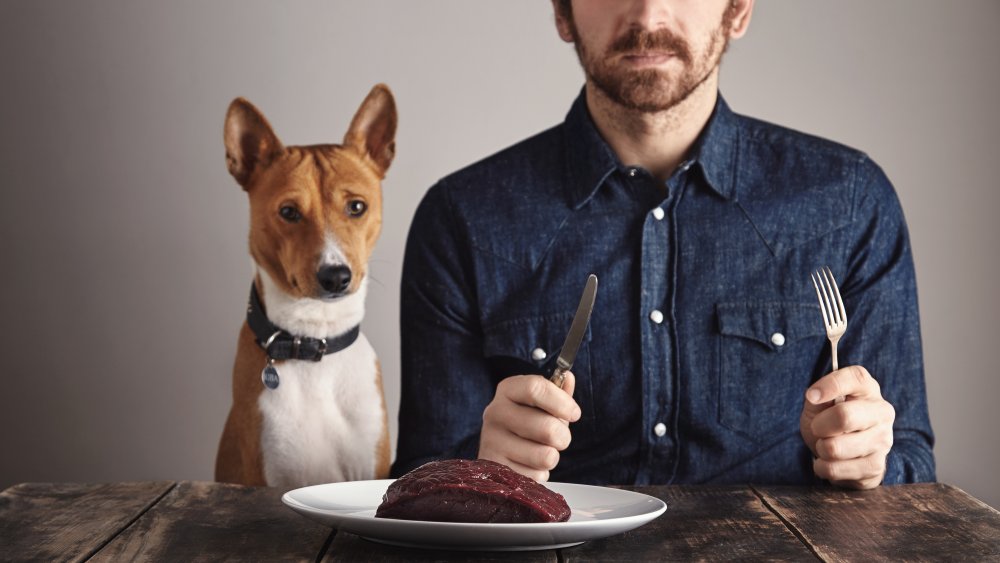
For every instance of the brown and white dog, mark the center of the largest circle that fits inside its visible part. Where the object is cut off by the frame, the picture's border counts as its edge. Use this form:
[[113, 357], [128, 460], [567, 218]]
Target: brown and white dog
[[308, 405]]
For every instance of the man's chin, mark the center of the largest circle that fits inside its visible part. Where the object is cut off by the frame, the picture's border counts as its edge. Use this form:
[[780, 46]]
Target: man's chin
[[644, 98]]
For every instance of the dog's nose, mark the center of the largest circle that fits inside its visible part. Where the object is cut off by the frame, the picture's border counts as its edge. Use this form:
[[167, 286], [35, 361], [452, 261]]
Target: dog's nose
[[334, 279]]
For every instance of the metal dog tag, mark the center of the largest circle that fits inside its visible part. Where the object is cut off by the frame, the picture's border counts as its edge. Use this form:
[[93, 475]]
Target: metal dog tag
[[270, 375]]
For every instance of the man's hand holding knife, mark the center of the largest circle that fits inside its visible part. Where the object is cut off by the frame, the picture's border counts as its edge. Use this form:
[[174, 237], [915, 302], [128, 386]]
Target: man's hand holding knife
[[526, 424]]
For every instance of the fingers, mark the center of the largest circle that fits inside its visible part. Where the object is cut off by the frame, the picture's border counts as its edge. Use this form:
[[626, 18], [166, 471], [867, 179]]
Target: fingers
[[851, 381], [855, 445], [852, 416], [526, 453], [536, 391], [525, 426], [850, 439], [861, 473], [538, 475], [529, 423], [856, 438], [569, 383]]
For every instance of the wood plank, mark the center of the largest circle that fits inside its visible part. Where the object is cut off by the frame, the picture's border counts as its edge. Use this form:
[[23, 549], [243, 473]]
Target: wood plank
[[216, 521], [349, 547], [69, 521], [923, 522], [716, 523]]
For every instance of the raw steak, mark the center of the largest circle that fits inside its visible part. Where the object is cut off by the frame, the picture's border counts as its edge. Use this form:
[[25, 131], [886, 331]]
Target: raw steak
[[463, 490]]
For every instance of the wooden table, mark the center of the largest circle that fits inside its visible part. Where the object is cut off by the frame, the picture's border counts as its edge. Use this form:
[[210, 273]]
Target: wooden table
[[189, 521]]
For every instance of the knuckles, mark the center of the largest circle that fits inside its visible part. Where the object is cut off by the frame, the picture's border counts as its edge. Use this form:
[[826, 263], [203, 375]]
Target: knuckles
[[885, 440], [556, 434], [537, 389], [864, 473], [876, 465], [861, 376], [828, 448], [507, 386], [843, 417], [490, 413], [890, 412], [549, 459], [539, 476]]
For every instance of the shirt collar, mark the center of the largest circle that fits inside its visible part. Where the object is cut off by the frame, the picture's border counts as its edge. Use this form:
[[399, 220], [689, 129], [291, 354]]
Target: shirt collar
[[590, 160], [715, 150]]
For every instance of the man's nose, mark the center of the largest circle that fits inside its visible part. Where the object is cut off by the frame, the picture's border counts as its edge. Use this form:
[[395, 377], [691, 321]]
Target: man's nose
[[649, 15]]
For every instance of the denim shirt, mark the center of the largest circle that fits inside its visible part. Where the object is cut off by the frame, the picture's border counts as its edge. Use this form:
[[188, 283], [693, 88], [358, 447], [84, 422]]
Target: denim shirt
[[706, 331]]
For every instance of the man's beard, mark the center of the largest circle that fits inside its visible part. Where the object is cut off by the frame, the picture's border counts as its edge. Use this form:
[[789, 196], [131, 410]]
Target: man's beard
[[650, 90]]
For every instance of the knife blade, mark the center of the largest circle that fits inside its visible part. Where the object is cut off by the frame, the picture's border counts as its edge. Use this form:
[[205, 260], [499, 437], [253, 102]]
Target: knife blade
[[576, 331]]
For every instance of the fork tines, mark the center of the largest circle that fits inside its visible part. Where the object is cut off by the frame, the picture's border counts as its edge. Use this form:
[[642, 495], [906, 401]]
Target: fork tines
[[831, 304]]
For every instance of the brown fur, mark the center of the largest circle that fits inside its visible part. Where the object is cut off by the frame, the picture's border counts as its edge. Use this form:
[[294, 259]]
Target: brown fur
[[319, 181]]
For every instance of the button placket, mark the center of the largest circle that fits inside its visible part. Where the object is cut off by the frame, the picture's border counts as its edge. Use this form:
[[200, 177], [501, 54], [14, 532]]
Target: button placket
[[657, 347]]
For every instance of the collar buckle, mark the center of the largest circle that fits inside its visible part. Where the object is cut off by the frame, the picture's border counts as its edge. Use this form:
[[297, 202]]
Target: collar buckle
[[320, 350], [267, 345]]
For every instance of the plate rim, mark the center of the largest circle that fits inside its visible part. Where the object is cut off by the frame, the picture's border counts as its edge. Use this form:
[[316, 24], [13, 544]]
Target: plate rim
[[537, 535], [657, 508]]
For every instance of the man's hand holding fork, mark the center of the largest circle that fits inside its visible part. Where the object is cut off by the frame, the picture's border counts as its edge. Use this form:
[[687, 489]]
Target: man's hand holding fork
[[845, 422]]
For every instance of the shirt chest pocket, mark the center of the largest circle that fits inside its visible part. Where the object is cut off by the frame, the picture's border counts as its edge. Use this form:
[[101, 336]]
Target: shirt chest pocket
[[531, 345], [768, 353]]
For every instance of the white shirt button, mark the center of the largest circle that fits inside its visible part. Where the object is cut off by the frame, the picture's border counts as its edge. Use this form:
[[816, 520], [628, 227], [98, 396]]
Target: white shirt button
[[660, 429], [538, 354], [631, 172], [656, 316], [657, 213], [778, 339]]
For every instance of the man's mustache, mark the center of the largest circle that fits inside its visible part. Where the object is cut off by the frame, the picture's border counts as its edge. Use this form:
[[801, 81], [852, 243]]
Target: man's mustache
[[637, 40]]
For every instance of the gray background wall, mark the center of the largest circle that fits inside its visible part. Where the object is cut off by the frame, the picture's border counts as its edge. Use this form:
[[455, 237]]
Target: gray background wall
[[123, 239]]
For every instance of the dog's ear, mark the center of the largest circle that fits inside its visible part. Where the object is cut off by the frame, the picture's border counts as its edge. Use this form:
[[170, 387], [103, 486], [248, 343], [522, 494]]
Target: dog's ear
[[250, 142], [373, 129]]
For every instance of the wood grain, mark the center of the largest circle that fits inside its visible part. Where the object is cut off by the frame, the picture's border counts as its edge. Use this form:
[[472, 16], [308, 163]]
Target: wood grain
[[194, 521], [69, 522], [199, 521], [701, 523], [924, 522]]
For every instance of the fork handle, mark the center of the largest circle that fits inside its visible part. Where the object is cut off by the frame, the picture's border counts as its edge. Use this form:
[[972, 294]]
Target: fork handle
[[833, 358]]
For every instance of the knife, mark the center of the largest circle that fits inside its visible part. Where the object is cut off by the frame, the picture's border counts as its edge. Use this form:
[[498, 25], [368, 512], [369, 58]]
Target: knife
[[576, 331]]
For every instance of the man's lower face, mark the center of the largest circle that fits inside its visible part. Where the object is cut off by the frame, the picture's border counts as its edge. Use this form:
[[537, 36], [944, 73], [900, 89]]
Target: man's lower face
[[650, 89]]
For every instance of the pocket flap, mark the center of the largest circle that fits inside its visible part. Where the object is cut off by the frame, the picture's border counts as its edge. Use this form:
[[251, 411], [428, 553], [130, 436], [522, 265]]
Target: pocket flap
[[519, 338], [762, 321]]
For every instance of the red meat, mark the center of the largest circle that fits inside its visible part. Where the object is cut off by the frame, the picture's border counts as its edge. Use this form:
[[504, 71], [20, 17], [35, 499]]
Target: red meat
[[463, 490]]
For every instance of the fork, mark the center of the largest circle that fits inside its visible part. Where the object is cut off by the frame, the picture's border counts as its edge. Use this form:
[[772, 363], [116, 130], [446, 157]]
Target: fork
[[834, 313]]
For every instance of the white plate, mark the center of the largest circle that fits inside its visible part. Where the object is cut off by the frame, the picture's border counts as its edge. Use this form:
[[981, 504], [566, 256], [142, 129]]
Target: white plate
[[597, 512]]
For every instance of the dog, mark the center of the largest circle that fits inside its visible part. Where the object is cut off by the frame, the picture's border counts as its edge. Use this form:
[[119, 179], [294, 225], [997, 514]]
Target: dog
[[308, 404]]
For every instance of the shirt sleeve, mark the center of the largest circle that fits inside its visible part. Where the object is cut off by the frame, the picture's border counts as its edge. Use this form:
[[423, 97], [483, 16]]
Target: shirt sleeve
[[883, 333], [445, 381]]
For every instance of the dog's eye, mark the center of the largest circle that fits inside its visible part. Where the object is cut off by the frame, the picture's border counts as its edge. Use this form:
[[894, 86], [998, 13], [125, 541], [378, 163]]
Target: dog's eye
[[356, 208], [290, 214]]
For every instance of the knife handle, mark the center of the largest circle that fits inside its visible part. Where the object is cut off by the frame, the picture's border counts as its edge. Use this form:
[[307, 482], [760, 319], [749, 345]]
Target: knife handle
[[558, 377]]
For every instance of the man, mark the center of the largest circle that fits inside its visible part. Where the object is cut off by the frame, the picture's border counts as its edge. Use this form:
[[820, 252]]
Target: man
[[706, 359]]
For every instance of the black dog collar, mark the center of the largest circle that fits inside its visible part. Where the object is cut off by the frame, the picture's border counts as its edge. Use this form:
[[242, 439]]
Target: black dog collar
[[280, 345]]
